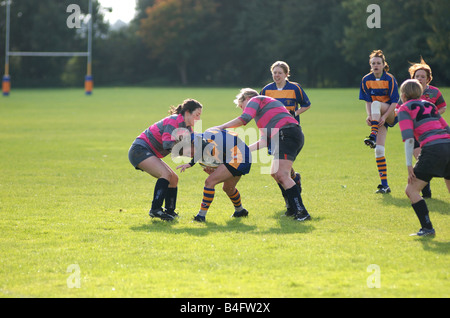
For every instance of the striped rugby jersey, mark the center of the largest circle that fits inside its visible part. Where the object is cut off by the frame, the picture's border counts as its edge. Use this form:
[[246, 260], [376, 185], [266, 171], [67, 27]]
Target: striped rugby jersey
[[159, 135], [384, 90], [292, 95], [421, 120], [268, 113], [433, 95], [227, 147]]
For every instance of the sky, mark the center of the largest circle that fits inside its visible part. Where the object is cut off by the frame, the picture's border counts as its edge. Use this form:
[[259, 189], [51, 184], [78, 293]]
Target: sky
[[121, 10]]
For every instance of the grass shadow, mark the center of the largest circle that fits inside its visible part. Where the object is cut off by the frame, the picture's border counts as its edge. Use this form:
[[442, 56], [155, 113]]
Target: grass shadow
[[434, 205], [287, 225], [429, 244], [194, 228]]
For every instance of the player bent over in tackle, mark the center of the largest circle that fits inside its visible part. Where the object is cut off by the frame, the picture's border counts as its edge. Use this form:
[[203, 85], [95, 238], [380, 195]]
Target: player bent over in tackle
[[155, 143], [421, 120], [284, 138], [225, 158]]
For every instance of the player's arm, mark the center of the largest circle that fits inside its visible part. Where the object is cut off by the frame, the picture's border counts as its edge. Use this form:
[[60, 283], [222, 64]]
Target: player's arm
[[409, 152], [237, 122], [301, 110]]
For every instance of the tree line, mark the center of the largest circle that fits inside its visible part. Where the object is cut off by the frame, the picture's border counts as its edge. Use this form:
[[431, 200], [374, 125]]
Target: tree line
[[229, 42]]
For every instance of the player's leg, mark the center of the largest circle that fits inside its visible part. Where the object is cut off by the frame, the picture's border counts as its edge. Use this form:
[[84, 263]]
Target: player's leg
[[281, 173], [229, 187], [375, 114], [380, 157], [419, 206], [220, 174], [165, 177]]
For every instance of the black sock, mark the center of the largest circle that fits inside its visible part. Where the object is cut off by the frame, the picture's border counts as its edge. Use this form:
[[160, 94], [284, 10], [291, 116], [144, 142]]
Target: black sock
[[283, 192], [295, 199], [159, 193], [171, 199], [421, 210]]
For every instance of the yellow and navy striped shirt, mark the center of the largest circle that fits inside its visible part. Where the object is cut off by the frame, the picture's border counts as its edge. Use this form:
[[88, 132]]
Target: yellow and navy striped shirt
[[384, 90]]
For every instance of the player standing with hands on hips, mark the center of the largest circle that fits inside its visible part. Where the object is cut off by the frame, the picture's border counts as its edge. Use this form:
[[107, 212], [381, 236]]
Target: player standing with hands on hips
[[380, 92], [420, 120]]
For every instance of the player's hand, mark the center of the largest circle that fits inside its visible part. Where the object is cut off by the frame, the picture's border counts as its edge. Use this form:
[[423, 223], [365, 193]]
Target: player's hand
[[184, 167], [411, 175]]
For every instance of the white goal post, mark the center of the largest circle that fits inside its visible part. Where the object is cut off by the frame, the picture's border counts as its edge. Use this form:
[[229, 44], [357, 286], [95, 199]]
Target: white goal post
[[6, 82]]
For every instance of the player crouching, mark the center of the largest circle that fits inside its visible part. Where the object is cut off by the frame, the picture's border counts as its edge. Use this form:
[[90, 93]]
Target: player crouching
[[225, 158]]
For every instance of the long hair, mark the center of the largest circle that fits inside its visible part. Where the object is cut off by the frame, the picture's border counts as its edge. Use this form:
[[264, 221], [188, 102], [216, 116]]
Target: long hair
[[188, 105]]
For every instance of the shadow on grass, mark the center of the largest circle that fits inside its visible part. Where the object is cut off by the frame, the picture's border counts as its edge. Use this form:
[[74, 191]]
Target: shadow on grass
[[287, 225], [195, 228], [434, 205], [429, 244]]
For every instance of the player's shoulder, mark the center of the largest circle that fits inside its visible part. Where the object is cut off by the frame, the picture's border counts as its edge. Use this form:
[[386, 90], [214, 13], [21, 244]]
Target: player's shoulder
[[293, 85], [269, 86], [368, 76], [389, 76]]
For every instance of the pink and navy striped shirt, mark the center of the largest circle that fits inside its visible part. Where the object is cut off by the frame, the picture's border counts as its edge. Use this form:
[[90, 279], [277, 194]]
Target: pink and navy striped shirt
[[420, 119], [268, 113], [159, 136], [434, 95]]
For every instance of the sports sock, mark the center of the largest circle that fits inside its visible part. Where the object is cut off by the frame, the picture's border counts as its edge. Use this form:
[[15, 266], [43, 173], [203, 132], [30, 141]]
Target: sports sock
[[421, 210], [159, 194], [295, 199], [236, 199], [283, 193], [208, 197], [171, 199], [382, 170], [374, 128], [293, 173]]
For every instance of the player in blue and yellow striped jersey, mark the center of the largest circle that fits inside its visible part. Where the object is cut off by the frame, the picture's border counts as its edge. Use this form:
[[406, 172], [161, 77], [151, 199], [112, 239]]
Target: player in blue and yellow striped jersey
[[291, 94], [232, 158], [379, 90]]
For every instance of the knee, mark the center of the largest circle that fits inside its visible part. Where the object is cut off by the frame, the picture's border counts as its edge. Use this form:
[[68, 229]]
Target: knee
[[380, 151], [209, 183], [228, 189], [173, 178]]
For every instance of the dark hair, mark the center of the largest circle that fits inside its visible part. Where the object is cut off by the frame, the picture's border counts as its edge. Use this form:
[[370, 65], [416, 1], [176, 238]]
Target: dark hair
[[188, 105]]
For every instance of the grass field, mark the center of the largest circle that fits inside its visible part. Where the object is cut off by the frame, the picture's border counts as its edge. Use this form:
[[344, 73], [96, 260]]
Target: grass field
[[74, 213]]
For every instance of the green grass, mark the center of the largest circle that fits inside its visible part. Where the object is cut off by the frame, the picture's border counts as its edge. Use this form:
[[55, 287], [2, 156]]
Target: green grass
[[68, 195]]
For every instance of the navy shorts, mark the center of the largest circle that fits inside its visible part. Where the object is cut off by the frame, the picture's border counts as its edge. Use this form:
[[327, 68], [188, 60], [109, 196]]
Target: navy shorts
[[139, 151], [288, 143], [434, 161]]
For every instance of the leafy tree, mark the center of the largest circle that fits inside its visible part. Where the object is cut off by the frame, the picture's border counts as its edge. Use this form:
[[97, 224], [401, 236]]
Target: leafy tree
[[175, 31]]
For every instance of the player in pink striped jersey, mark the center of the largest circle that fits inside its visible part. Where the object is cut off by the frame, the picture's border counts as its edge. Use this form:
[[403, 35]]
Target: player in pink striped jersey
[[422, 72], [155, 143], [282, 135], [420, 120]]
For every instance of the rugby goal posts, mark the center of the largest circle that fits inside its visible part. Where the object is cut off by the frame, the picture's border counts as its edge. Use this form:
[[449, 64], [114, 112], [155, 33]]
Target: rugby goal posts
[[88, 82]]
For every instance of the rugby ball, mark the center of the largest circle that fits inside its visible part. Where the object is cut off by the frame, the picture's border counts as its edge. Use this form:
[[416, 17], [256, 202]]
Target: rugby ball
[[209, 163]]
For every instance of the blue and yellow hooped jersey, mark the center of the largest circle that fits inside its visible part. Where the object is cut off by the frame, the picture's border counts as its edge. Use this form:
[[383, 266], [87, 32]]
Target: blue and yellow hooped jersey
[[384, 89], [226, 147], [292, 95]]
